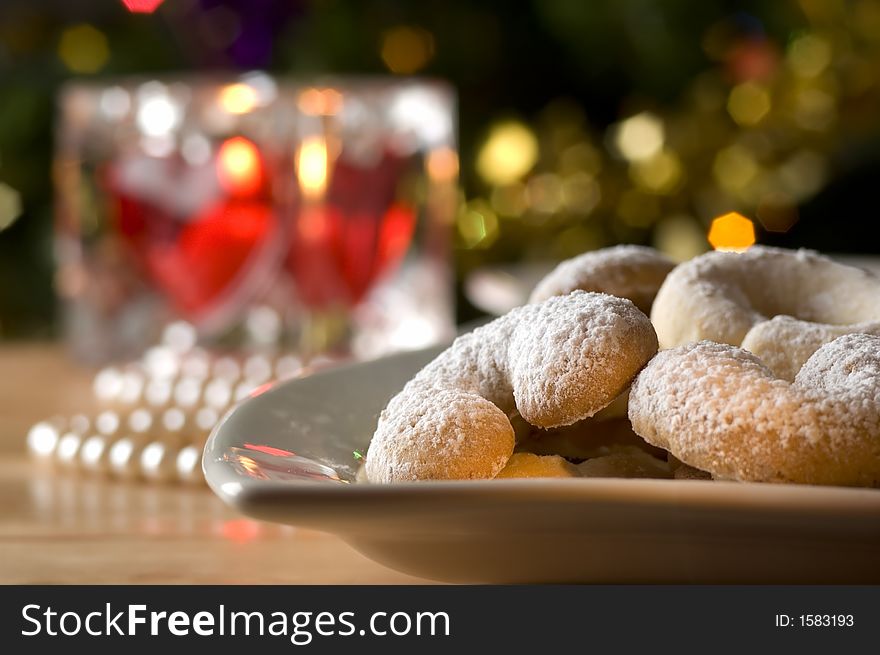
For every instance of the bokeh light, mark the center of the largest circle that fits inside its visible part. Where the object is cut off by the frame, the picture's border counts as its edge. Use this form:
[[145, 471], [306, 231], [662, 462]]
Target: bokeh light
[[509, 152], [238, 98], [477, 225], [238, 166], [83, 49], [311, 166], [660, 174], [320, 102], [680, 237], [406, 50], [733, 232], [10, 205], [142, 6], [809, 55], [639, 137], [158, 114], [748, 103]]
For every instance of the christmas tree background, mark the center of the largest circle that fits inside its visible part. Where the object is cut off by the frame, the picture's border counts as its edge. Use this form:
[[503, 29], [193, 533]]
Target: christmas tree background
[[581, 124]]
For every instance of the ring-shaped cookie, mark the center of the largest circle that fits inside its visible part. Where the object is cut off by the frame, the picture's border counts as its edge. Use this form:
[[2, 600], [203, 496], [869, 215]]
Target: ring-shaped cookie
[[719, 409], [780, 304]]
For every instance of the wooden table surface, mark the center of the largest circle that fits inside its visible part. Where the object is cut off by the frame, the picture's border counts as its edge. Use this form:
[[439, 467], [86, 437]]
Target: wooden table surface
[[58, 527]]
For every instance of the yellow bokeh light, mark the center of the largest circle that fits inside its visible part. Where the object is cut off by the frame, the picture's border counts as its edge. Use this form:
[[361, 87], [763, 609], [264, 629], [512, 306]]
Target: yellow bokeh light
[[580, 193], [680, 237], [510, 199], [406, 50], [477, 225], [748, 103], [809, 55], [10, 206], [661, 174], [581, 157], [83, 49], [509, 152], [238, 98], [311, 166], [639, 137], [735, 168], [733, 232]]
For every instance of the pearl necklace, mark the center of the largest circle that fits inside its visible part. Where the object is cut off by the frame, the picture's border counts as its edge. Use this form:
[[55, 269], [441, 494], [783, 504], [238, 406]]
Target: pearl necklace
[[153, 416]]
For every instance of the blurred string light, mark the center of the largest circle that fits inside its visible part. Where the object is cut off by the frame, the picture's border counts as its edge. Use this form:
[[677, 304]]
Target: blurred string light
[[732, 232], [238, 166], [83, 49], [580, 193], [748, 103], [509, 199], [639, 137], [809, 55], [756, 131], [735, 168], [508, 153], [10, 206], [477, 225], [544, 193], [661, 173], [680, 237], [406, 49], [142, 6]]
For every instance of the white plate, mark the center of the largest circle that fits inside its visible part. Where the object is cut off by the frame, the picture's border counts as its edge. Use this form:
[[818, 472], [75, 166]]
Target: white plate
[[286, 455]]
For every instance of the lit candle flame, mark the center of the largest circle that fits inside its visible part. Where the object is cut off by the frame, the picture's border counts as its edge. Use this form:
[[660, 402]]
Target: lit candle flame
[[238, 166], [311, 165]]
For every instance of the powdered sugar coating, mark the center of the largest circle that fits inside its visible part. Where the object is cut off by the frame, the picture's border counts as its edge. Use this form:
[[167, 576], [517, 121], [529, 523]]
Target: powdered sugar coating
[[633, 272], [718, 408], [732, 298], [555, 362]]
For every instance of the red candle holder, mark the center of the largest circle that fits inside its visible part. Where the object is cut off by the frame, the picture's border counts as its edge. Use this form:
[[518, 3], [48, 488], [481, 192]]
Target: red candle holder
[[313, 213]]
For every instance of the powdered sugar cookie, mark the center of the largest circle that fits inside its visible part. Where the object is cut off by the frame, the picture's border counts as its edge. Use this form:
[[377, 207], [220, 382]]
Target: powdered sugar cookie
[[719, 409], [779, 304], [633, 272], [555, 362]]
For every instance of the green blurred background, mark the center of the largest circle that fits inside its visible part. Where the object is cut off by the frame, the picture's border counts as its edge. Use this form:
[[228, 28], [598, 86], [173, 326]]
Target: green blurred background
[[581, 124]]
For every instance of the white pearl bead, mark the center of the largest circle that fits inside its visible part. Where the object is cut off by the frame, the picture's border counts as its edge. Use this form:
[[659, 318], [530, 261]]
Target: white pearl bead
[[158, 461], [93, 453], [189, 465], [123, 458], [67, 450], [42, 439]]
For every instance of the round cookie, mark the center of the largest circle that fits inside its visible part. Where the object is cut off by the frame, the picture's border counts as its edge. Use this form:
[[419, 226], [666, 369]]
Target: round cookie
[[555, 362], [779, 304], [632, 272], [719, 409]]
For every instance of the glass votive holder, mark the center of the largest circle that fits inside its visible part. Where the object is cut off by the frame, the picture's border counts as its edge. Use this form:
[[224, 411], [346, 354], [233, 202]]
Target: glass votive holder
[[311, 214]]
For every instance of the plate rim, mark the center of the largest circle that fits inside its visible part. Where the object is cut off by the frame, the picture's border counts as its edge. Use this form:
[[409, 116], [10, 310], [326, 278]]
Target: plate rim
[[251, 495]]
